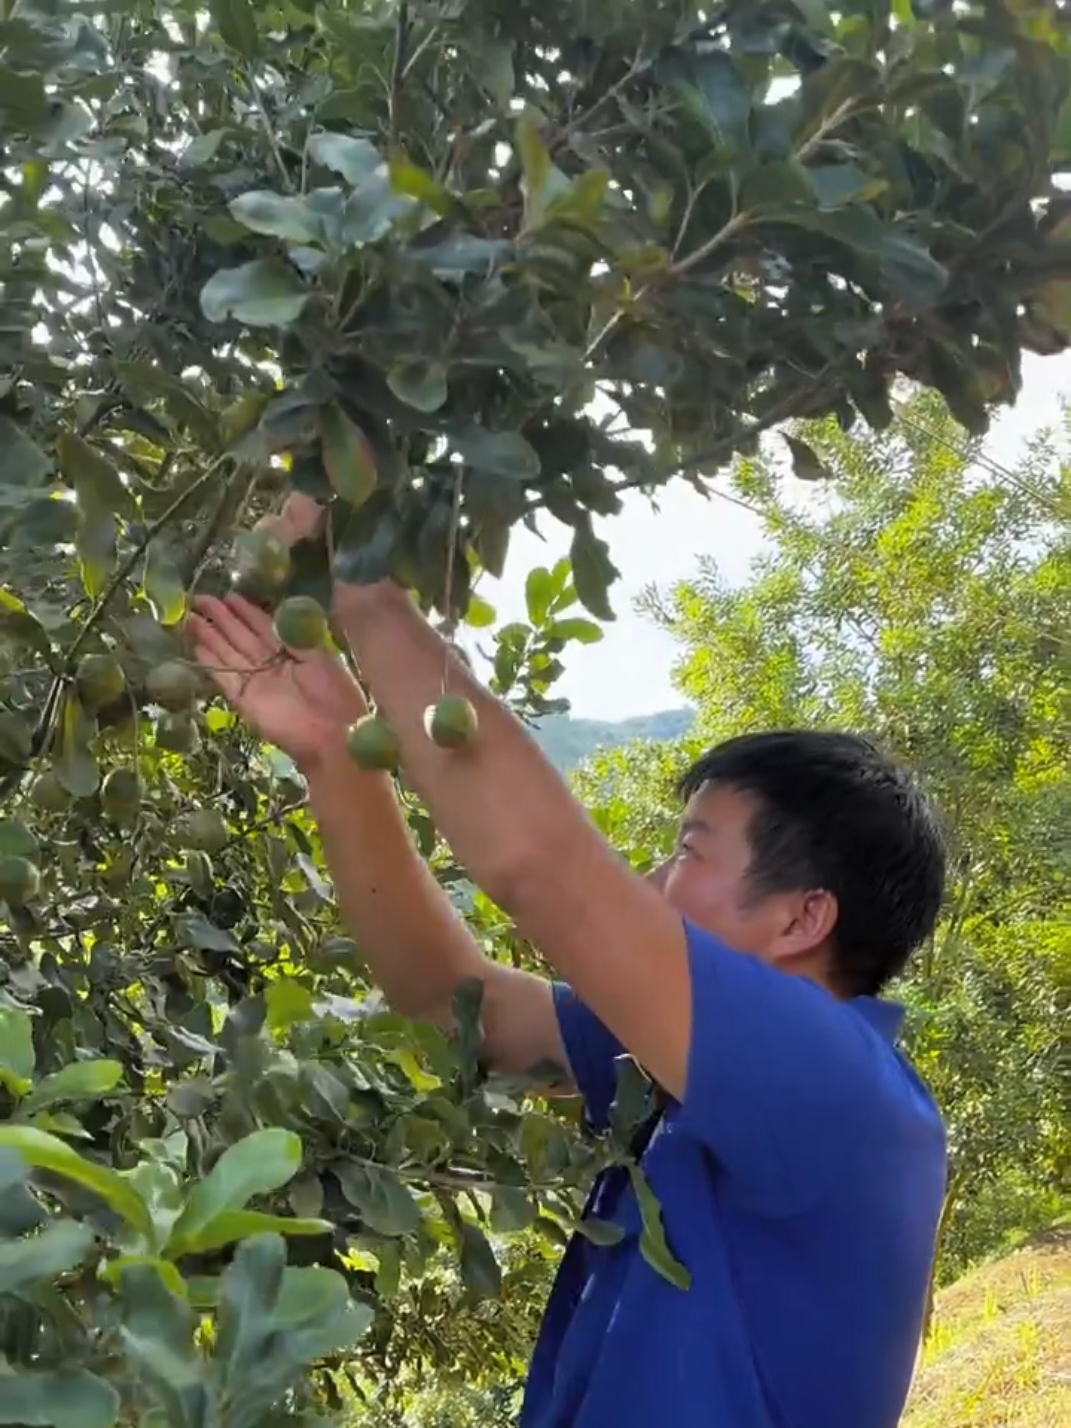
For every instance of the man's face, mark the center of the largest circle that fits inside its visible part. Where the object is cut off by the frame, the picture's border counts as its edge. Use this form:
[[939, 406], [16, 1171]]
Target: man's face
[[707, 883]]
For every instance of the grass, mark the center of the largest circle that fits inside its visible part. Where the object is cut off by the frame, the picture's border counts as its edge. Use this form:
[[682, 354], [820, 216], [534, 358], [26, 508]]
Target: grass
[[999, 1351]]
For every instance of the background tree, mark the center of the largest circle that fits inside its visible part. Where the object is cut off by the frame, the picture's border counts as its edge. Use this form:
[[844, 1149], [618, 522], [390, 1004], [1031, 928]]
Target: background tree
[[449, 267], [924, 597]]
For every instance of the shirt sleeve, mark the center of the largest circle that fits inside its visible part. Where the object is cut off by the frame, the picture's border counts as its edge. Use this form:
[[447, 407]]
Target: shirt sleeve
[[591, 1049], [783, 1081]]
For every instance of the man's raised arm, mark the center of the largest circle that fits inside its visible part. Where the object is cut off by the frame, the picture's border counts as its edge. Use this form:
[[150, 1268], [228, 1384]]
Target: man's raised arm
[[515, 826]]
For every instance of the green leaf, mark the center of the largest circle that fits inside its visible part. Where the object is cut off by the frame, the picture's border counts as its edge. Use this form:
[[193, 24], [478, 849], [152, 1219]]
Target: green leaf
[[22, 461], [499, 453], [460, 254], [492, 68], [584, 632], [842, 80], [196, 931], [716, 93], [536, 166], [414, 182], [157, 1338], [480, 1270], [16, 741], [355, 159], [66, 1398], [248, 1295], [46, 1152], [94, 478], [56, 1250], [817, 14], [1052, 303], [236, 21], [95, 542], [511, 1210], [347, 455], [19, 626], [911, 270], [17, 1056], [61, 1123], [386, 1205], [112, 1271], [202, 149], [73, 761], [80, 1081], [371, 210], [316, 1312], [838, 184], [273, 1321], [260, 1163], [20, 1211], [539, 591], [289, 1003], [806, 463], [605, 1233], [277, 215], [479, 614], [653, 1244], [419, 384], [593, 570], [263, 293], [634, 1100], [234, 1225], [163, 584], [306, 1197]]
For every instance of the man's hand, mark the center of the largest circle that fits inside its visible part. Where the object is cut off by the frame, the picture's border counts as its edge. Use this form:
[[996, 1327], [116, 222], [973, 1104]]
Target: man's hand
[[302, 518], [303, 702]]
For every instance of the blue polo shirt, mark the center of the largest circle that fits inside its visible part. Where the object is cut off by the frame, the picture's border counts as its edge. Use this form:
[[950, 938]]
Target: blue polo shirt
[[801, 1180]]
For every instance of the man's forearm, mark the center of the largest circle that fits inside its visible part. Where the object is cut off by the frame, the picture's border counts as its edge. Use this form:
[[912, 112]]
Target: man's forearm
[[417, 947]]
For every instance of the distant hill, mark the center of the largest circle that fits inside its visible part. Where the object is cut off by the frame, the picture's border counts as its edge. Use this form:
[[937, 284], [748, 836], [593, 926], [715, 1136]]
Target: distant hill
[[568, 741]]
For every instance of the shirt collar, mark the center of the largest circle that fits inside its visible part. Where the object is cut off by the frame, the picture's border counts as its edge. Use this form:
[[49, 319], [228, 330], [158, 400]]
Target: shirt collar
[[885, 1017]]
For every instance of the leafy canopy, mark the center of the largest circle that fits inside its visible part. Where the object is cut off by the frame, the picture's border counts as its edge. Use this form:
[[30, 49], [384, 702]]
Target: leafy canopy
[[404, 247]]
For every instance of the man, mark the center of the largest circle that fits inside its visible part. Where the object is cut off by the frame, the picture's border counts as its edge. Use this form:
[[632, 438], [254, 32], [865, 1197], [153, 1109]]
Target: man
[[799, 1161]]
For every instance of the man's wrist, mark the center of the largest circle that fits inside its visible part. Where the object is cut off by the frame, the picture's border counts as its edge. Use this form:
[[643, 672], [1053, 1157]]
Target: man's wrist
[[328, 758], [363, 599]]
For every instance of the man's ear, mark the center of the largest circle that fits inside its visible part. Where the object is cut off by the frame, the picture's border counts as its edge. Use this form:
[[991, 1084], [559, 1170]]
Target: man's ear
[[812, 923]]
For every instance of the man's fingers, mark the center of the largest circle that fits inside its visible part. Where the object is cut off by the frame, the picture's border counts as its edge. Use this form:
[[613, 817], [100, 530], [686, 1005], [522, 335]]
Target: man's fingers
[[252, 646], [304, 516], [254, 618], [301, 518], [217, 657]]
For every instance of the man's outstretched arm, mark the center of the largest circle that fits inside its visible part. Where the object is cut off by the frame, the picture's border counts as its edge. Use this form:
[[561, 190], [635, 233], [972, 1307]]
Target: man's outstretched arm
[[418, 949], [515, 826]]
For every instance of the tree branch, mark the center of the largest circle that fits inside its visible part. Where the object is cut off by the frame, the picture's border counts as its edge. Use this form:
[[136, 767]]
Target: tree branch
[[401, 42], [127, 565], [269, 132]]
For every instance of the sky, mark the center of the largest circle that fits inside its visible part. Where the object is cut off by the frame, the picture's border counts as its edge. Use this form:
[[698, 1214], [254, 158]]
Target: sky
[[629, 672]]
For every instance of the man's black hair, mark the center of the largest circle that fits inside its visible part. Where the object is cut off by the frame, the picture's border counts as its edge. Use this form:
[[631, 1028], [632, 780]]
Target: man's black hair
[[834, 812]]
